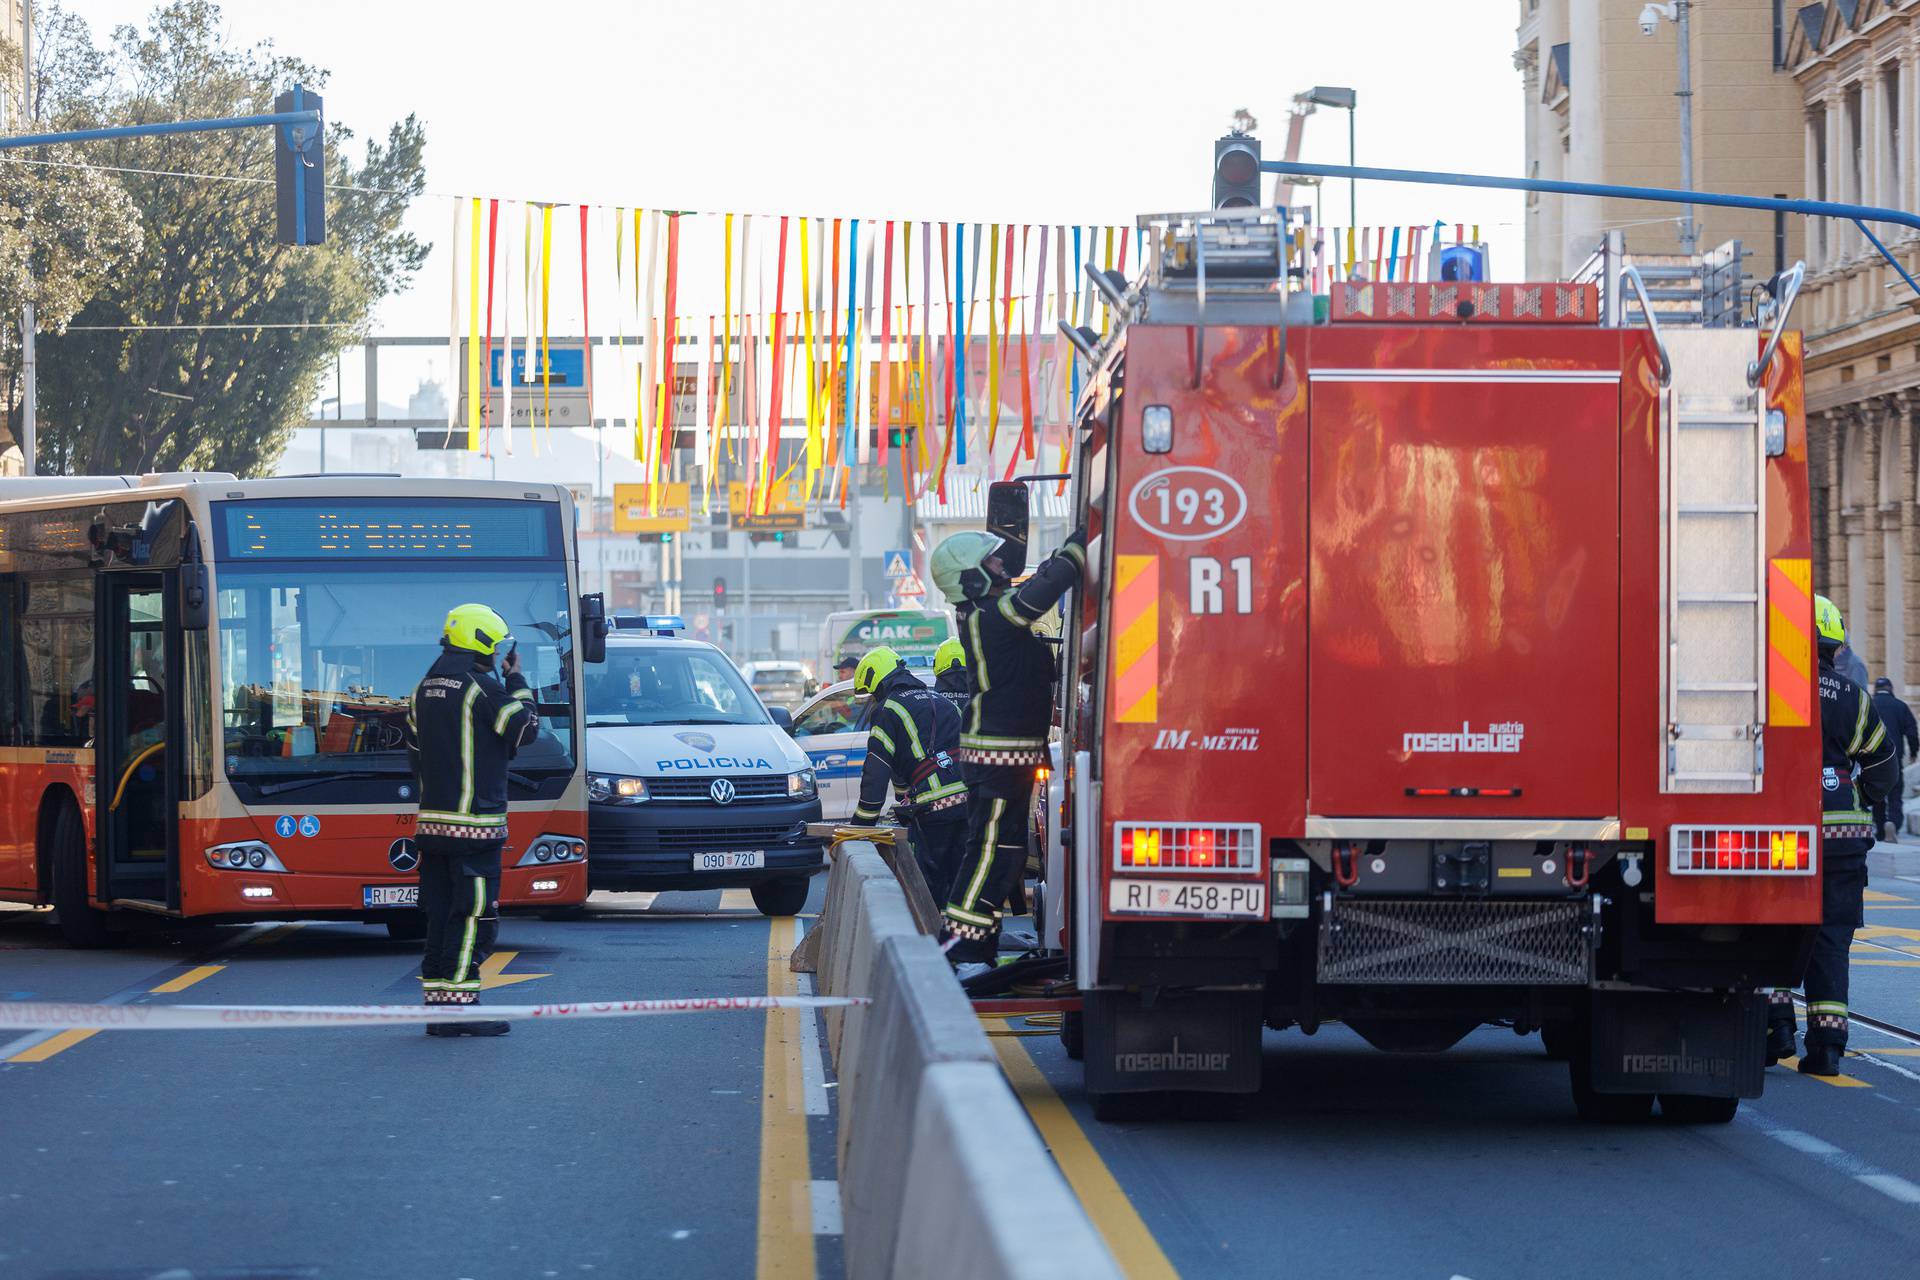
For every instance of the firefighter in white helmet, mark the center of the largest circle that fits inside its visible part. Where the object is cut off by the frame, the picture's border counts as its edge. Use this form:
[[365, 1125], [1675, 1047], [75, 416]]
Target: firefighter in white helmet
[[1003, 734]]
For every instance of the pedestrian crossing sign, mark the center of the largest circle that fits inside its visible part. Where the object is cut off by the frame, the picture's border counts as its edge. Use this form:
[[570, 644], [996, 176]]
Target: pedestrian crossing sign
[[898, 564]]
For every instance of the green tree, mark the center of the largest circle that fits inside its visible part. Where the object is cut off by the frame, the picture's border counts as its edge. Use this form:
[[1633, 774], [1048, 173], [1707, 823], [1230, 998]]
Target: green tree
[[205, 349], [63, 233]]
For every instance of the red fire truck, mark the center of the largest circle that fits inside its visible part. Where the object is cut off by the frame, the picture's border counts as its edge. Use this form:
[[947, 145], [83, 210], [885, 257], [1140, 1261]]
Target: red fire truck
[[1444, 662]]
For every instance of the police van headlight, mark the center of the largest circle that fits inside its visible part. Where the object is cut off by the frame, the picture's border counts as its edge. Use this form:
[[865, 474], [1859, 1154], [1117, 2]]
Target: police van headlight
[[612, 788], [244, 855], [801, 785]]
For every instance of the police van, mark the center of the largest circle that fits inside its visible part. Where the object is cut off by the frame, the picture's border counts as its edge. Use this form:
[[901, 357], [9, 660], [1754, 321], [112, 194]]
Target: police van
[[692, 783]]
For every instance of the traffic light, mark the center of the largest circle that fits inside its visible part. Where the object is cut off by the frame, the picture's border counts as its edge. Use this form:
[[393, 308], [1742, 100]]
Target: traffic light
[[768, 535], [1236, 171], [299, 173], [662, 538], [719, 594]]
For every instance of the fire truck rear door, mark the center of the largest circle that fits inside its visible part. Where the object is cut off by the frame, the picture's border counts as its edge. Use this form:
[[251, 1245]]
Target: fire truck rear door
[[1464, 593]]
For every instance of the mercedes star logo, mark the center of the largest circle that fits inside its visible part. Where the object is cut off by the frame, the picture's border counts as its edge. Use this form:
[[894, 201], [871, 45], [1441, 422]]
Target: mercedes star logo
[[402, 855], [721, 791]]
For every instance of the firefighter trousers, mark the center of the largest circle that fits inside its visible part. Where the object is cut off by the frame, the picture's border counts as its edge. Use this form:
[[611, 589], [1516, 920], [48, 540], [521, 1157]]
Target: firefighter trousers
[[991, 862], [1843, 886], [460, 894], [938, 844]]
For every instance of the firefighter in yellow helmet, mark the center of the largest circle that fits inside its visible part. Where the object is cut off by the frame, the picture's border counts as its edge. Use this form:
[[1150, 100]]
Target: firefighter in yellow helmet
[[1859, 766], [912, 736], [950, 672], [463, 727]]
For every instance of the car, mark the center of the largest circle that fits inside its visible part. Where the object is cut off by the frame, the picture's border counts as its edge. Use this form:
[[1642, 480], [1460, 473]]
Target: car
[[691, 782], [780, 683], [831, 728]]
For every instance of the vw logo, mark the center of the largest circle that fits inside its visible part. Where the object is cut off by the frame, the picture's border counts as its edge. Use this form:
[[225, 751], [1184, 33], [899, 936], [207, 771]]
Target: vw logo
[[721, 791], [402, 855]]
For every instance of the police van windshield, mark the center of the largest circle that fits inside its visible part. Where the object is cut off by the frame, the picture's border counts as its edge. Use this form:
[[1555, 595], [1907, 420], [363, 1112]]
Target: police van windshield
[[668, 684]]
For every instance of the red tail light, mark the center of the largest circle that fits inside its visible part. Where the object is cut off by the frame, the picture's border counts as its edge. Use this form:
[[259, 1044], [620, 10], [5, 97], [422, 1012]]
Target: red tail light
[[1228, 847], [1744, 851]]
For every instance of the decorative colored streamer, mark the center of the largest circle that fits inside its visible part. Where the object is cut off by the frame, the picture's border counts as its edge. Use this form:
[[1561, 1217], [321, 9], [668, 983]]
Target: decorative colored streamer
[[546, 349], [847, 392], [586, 317], [963, 337], [453, 319], [779, 350], [506, 348], [473, 332], [808, 305], [486, 349], [884, 426]]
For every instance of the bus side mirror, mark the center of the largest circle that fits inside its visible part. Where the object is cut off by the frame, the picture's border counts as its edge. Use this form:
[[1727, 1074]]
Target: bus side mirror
[[593, 627], [194, 613], [1007, 503]]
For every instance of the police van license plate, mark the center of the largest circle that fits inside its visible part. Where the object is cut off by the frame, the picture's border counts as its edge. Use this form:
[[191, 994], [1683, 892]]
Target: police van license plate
[[733, 860], [1187, 898], [390, 895]]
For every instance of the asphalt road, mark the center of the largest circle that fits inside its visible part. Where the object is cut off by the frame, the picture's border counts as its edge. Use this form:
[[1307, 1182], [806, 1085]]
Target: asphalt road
[[1471, 1163], [687, 1145]]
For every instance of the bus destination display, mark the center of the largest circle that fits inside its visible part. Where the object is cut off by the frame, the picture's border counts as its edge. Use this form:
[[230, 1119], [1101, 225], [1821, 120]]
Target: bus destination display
[[302, 530]]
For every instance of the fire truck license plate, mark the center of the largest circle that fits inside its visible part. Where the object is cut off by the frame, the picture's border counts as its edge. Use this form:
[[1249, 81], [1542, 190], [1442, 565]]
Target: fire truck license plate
[[737, 860], [390, 895], [1187, 898]]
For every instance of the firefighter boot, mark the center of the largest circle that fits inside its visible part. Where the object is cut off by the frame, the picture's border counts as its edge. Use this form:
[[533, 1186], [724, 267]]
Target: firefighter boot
[[1821, 1059], [1780, 1042], [449, 1030]]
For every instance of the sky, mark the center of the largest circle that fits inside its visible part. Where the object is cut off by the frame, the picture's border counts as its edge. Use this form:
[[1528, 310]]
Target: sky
[[1035, 111]]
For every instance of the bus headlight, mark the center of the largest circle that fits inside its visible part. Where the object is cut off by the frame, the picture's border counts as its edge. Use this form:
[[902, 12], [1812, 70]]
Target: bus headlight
[[244, 855], [549, 849], [801, 785], [612, 788]]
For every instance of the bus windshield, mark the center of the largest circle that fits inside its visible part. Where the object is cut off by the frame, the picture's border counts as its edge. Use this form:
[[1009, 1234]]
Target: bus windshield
[[318, 661]]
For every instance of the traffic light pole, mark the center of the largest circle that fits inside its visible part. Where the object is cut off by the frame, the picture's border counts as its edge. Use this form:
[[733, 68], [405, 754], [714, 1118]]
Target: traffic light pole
[[30, 399]]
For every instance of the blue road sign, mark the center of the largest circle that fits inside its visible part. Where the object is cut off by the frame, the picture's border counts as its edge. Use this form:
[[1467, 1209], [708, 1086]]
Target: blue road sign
[[898, 564]]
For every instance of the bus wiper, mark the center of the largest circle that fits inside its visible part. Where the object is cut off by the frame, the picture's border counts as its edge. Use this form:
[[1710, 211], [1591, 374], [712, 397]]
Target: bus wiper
[[338, 775], [523, 780]]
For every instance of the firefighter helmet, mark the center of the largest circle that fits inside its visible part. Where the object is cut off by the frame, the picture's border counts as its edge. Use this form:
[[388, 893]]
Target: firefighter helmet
[[474, 627], [874, 667], [948, 656], [957, 566], [1828, 622]]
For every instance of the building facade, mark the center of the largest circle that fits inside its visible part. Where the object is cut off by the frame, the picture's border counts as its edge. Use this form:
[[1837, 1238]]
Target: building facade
[[1856, 64], [1601, 107]]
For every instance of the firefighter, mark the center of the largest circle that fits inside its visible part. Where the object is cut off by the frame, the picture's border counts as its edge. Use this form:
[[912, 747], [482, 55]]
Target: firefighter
[[463, 727], [911, 743], [1898, 717], [1003, 736], [950, 672], [1860, 765]]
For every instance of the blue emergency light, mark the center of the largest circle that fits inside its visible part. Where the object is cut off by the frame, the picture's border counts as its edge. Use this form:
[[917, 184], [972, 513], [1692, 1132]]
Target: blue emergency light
[[659, 624]]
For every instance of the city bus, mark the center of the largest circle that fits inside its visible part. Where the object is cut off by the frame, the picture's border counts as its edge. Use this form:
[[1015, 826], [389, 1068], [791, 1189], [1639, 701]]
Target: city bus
[[204, 685]]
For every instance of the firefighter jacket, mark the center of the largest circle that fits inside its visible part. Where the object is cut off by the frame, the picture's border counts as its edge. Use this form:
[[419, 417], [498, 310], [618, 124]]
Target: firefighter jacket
[[463, 726], [910, 743], [1859, 760], [1012, 669], [954, 684]]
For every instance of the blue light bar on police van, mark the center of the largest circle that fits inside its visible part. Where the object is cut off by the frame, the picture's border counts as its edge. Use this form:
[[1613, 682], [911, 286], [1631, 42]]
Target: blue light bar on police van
[[660, 624]]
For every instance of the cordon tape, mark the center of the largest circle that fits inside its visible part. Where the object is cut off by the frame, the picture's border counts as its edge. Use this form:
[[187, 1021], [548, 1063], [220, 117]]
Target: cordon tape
[[224, 1017]]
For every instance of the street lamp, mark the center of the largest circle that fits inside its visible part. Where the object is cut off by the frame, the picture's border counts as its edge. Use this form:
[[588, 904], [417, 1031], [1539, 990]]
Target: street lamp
[[1676, 13], [1341, 98]]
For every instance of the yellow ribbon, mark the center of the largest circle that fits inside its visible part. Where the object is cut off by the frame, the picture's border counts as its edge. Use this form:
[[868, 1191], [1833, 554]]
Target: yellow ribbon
[[546, 357], [474, 391]]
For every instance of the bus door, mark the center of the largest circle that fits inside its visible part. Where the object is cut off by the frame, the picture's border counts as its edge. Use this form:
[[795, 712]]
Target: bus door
[[137, 760]]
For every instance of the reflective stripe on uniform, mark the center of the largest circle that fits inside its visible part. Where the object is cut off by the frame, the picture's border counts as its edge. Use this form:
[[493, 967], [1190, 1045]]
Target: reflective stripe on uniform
[[881, 734], [466, 746], [1011, 613], [913, 733], [476, 820], [468, 933], [969, 917], [982, 742], [1845, 817], [506, 713], [1859, 724], [941, 793], [982, 681], [1879, 736], [984, 854]]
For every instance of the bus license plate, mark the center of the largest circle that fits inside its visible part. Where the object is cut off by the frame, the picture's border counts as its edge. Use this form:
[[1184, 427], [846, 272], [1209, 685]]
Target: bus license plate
[[733, 860], [390, 895], [1187, 898]]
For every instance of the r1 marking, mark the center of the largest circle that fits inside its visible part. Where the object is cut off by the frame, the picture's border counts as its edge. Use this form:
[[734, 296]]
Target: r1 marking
[[1204, 591]]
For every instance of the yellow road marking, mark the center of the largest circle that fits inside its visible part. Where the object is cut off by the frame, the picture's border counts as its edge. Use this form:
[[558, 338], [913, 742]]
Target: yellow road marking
[[1893, 906], [1874, 895], [1838, 1082], [1889, 964], [1119, 1224], [491, 977], [1887, 931], [67, 1039], [737, 900], [785, 1248], [1904, 1053], [188, 978]]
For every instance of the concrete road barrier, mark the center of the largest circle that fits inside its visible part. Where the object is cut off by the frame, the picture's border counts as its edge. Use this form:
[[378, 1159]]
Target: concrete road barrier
[[941, 1173]]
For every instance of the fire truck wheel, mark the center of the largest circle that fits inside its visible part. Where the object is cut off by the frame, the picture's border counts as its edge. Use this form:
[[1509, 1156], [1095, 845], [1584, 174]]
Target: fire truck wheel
[[408, 926], [1605, 1108], [81, 923], [1557, 1039], [1691, 1108], [780, 897], [1073, 1035]]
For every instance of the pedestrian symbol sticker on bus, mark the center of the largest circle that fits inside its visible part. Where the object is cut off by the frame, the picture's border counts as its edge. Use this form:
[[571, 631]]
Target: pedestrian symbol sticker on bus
[[283, 826], [309, 826]]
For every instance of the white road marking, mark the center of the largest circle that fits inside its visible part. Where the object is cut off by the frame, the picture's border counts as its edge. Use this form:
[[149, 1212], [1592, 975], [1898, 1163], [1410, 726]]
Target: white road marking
[[1891, 1185], [826, 1207], [813, 1073], [1882, 1062]]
